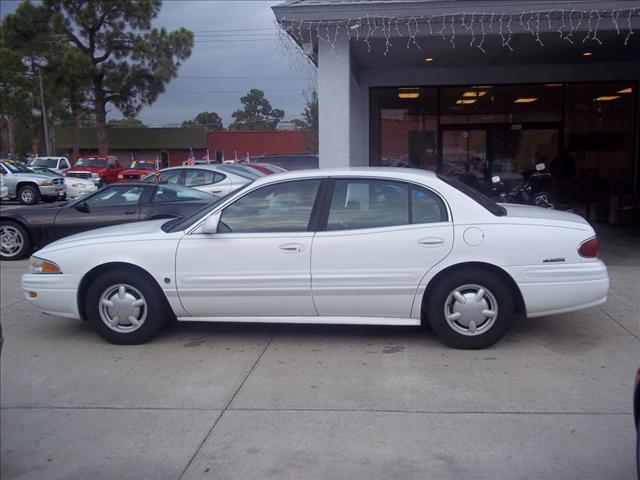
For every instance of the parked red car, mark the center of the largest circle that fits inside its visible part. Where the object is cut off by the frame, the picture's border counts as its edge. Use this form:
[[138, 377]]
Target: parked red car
[[137, 170], [100, 168]]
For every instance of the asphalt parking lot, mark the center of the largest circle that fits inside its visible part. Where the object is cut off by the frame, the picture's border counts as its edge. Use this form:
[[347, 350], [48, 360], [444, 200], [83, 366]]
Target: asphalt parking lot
[[552, 400]]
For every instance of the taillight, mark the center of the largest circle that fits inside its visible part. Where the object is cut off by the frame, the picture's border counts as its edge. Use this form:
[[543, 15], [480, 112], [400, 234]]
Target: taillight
[[589, 248]]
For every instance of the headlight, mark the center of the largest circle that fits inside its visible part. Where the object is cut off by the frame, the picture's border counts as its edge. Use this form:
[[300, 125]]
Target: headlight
[[40, 265], [78, 185], [95, 175], [47, 183]]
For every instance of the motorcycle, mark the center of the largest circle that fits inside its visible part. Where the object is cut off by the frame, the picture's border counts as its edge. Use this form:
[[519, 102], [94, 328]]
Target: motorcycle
[[530, 193]]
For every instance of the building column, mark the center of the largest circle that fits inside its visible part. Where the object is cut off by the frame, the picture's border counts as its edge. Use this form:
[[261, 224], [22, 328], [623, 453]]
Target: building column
[[334, 85]]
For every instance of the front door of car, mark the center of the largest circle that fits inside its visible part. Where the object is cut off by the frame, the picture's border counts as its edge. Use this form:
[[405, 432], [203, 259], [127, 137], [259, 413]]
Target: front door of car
[[380, 239], [258, 262], [113, 205]]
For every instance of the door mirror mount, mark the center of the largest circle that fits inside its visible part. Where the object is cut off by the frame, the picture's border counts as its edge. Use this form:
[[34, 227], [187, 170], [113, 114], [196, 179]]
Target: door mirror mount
[[210, 225], [83, 207]]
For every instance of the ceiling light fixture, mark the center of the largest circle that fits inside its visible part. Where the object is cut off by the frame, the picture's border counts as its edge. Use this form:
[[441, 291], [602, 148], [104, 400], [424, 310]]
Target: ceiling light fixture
[[552, 84], [474, 94], [587, 54], [606, 98], [525, 100], [625, 90], [465, 101], [428, 59], [408, 93]]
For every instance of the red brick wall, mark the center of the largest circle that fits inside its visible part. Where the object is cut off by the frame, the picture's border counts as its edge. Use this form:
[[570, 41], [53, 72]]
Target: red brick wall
[[269, 142]]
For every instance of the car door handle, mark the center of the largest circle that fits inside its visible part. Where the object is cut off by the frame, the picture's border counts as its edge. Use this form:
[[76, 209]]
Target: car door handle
[[129, 212], [430, 242], [291, 247]]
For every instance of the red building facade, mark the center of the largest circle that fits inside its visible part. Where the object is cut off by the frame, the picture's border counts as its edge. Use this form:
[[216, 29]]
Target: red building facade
[[231, 144]]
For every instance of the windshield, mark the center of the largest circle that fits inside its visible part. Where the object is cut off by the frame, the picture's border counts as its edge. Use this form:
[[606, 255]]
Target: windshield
[[44, 162], [177, 224], [145, 164], [15, 167], [242, 171], [91, 162], [475, 195]]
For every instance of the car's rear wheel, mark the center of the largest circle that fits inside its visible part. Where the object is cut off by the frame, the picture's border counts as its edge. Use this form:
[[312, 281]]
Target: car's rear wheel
[[29, 195], [14, 241], [470, 308], [125, 307]]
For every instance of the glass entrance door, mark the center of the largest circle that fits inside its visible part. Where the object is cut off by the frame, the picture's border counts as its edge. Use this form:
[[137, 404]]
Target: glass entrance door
[[465, 154]]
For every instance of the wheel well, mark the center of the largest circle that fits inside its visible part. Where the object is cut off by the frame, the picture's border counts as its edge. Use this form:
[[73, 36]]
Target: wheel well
[[17, 222], [19, 185], [517, 295], [95, 272]]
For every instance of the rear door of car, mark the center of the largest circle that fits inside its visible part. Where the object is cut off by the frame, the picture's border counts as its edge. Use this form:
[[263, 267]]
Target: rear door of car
[[376, 241]]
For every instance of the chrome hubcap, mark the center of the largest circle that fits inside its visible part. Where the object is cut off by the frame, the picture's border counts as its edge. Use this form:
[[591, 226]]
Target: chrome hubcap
[[11, 241], [471, 309], [123, 308], [26, 195]]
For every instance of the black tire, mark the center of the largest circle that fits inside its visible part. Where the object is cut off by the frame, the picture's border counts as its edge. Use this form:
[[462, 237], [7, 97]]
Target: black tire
[[29, 194], [27, 244], [439, 299], [156, 312], [49, 199]]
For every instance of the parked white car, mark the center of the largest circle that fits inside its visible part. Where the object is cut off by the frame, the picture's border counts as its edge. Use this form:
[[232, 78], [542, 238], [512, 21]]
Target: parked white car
[[214, 179], [378, 246], [4, 190], [57, 164], [79, 187]]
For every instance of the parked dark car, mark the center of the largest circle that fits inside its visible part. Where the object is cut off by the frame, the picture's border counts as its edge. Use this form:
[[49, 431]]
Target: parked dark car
[[636, 419], [24, 229]]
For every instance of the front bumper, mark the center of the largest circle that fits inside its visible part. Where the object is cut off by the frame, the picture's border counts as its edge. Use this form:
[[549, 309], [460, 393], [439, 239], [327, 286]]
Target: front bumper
[[551, 289], [75, 192], [53, 191], [57, 294]]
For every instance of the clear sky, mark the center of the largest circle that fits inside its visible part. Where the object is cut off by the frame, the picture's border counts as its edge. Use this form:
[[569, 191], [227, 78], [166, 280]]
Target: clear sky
[[236, 48]]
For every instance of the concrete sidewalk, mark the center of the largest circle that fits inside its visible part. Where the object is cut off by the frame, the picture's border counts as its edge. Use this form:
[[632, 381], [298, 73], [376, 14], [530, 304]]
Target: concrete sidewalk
[[552, 400]]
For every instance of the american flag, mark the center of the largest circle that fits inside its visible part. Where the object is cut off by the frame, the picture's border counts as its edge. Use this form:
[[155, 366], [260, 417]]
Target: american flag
[[192, 159], [156, 173], [206, 156]]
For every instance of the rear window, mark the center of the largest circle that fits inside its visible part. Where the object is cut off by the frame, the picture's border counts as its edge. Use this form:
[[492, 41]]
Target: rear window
[[474, 195]]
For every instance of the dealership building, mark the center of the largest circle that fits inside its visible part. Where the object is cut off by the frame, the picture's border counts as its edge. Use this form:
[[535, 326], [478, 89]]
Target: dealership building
[[487, 87]]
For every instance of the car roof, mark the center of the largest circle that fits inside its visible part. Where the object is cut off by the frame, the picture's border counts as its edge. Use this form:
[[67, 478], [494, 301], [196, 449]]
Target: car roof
[[386, 172]]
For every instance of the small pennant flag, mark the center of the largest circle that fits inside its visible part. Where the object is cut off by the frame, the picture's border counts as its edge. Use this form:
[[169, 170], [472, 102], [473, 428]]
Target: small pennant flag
[[156, 173], [206, 156]]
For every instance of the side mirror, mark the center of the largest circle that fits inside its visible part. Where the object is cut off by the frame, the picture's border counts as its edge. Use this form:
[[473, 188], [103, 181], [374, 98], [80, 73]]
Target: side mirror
[[540, 167], [83, 207], [495, 179], [210, 225]]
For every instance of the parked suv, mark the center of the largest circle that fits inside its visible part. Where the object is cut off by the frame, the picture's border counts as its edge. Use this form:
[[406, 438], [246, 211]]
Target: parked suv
[[29, 187], [101, 169], [57, 164]]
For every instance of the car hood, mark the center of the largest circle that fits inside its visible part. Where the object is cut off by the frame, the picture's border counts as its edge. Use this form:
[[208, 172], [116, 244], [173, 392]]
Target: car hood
[[33, 176], [86, 169], [136, 171], [117, 233], [539, 213]]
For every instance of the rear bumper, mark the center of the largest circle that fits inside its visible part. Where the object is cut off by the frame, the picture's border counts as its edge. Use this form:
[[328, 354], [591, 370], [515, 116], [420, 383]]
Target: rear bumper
[[551, 289], [57, 294]]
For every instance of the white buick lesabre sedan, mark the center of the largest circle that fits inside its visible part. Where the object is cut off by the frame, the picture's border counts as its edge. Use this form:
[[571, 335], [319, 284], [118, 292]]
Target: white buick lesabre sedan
[[371, 246]]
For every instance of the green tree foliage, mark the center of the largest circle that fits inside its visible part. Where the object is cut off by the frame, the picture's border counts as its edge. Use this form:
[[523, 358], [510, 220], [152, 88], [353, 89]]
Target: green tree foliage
[[24, 35], [309, 122], [126, 122], [211, 120], [131, 63], [257, 113]]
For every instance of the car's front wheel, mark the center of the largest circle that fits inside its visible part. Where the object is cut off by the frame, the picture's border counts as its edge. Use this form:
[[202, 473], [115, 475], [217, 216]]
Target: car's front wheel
[[29, 195], [125, 307], [470, 308], [14, 241]]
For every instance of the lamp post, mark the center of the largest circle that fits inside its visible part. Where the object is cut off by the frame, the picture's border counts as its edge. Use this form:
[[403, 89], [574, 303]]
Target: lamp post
[[39, 62]]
